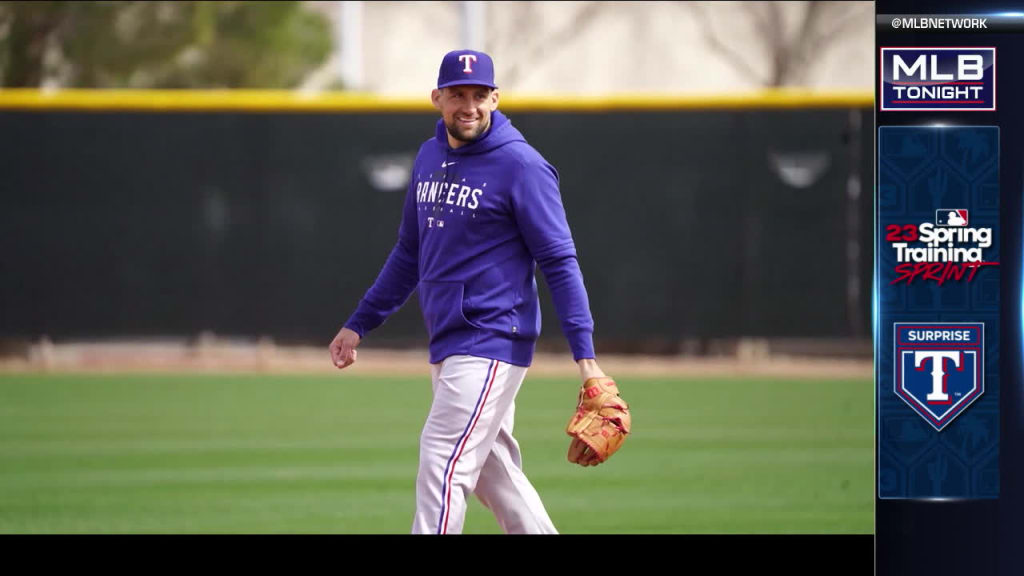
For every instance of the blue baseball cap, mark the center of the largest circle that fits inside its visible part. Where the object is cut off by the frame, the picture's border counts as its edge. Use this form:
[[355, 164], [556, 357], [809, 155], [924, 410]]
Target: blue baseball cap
[[466, 67]]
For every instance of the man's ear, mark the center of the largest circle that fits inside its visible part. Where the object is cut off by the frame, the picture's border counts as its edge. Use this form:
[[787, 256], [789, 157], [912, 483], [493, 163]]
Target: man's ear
[[494, 99], [435, 98]]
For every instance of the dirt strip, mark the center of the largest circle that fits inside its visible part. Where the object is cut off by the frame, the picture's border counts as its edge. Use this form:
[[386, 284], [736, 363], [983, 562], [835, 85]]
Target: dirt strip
[[269, 358]]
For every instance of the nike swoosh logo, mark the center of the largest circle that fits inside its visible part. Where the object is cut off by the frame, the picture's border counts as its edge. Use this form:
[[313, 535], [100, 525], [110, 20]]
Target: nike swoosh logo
[[446, 164]]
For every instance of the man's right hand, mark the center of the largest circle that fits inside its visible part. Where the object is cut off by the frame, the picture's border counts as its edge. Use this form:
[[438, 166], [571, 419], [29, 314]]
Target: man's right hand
[[343, 348]]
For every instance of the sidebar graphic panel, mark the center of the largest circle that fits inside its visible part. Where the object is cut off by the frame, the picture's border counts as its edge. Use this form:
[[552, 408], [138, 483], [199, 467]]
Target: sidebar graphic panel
[[938, 312]]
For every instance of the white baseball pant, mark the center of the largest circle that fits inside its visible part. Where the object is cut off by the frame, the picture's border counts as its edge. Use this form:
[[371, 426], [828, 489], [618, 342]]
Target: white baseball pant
[[467, 448]]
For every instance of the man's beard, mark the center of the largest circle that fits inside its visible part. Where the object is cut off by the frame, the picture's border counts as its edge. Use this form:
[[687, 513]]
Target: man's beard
[[454, 133]]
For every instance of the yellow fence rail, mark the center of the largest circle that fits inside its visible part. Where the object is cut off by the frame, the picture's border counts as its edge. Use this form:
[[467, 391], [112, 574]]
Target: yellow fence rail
[[349, 102]]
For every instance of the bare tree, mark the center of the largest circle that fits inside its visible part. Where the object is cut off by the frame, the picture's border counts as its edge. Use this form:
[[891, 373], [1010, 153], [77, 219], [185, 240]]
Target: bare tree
[[527, 23], [790, 51]]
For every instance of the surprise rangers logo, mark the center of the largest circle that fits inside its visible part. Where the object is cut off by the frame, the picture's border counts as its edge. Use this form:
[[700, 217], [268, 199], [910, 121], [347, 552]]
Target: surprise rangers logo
[[939, 368], [949, 249]]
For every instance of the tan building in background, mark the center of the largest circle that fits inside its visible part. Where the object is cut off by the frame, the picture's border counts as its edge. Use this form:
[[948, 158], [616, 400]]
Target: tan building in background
[[604, 47]]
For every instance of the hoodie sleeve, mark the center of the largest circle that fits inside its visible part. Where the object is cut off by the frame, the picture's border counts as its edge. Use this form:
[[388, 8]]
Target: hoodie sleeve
[[537, 206], [397, 279]]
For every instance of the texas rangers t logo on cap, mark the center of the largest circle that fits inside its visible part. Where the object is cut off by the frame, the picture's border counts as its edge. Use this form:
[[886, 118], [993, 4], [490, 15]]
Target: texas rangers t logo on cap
[[460, 67]]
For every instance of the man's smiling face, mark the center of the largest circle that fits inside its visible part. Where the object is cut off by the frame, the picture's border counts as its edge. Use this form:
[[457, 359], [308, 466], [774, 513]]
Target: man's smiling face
[[466, 111]]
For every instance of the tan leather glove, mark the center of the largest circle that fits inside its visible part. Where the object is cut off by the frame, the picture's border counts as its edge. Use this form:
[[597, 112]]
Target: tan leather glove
[[600, 424]]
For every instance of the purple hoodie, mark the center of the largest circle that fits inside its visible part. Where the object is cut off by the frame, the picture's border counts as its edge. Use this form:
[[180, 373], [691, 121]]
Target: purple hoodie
[[477, 221]]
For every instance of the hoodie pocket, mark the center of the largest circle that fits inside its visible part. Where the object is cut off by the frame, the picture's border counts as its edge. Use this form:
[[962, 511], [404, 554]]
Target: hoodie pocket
[[441, 303]]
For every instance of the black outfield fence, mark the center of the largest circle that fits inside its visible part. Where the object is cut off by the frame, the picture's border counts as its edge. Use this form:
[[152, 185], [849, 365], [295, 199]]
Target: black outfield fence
[[691, 225]]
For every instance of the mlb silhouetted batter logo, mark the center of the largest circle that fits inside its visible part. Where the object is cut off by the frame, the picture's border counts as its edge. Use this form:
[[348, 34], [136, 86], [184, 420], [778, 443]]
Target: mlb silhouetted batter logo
[[955, 217], [939, 368]]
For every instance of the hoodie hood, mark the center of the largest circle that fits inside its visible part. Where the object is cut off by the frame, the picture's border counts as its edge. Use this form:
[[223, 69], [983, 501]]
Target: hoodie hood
[[500, 133]]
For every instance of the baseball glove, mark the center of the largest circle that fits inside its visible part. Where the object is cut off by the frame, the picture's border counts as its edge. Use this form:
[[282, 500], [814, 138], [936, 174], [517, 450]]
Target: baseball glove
[[600, 424]]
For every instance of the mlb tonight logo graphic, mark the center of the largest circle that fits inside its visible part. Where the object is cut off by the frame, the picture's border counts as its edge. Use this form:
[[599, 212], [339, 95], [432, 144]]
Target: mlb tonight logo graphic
[[938, 79], [951, 217], [939, 368]]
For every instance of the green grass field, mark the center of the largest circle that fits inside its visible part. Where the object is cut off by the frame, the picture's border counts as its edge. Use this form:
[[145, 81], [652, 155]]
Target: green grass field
[[338, 454]]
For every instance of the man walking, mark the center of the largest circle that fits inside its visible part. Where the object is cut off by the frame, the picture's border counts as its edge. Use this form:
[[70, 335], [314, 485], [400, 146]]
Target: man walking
[[482, 211]]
